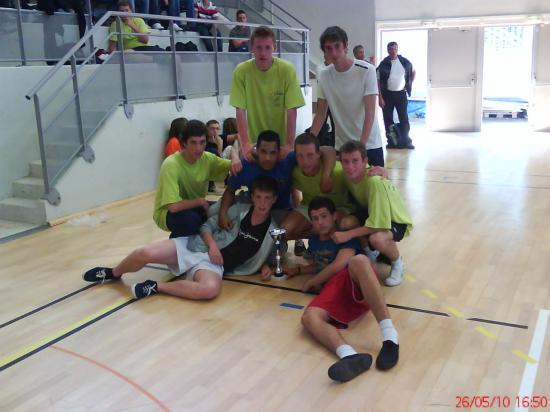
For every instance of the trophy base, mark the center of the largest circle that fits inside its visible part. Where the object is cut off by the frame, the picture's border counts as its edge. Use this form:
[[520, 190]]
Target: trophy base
[[282, 276]]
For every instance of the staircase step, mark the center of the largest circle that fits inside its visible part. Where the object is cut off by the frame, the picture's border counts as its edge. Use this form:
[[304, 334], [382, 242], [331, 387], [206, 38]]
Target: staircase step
[[35, 168], [23, 210], [28, 187]]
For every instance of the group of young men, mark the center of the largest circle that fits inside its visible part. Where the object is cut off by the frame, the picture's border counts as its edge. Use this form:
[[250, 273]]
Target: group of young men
[[347, 208]]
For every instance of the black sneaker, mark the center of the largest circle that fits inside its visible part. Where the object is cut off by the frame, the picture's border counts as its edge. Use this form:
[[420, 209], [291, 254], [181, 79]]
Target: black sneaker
[[349, 367], [388, 356], [99, 275], [299, 248], [144, 289]]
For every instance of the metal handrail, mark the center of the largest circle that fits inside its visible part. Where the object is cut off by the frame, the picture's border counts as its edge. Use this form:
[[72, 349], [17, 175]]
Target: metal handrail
[[288, 14], [109, 14], [51, 174], [22, 51]]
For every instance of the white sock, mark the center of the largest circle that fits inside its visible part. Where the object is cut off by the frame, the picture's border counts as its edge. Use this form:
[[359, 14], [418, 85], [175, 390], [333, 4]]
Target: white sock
[[371, 254], [398, 262], [388, 331], [345, 350]]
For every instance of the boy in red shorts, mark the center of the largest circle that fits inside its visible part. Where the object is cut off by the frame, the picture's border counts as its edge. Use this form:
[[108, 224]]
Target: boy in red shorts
[[350, 289]]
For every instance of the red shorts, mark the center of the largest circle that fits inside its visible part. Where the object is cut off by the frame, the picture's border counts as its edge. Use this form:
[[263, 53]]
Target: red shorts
[[341, 297]]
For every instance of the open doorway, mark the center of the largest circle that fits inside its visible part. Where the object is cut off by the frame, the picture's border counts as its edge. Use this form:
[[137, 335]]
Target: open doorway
[[413, 44], [507, 61]]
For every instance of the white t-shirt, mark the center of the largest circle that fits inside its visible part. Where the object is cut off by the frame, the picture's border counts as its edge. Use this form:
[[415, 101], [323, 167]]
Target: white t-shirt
[[344, 93], [396, 81]]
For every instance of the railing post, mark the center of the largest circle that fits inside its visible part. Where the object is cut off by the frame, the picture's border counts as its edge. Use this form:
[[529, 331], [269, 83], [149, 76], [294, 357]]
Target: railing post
[[50, 194], [128, 108], [89, 24], [279, 45], [20, 34], [179, 101], [217, 69], [305, 63], [85, 151]]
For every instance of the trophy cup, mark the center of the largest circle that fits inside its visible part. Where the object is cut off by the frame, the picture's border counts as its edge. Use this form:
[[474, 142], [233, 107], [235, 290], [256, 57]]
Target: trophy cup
[[278, 236]]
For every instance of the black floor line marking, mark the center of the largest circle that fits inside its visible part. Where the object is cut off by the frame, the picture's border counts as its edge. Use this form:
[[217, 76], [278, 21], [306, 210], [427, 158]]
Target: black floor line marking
[[65, 335], [430, 312], [47, 305], [24, 233], [496, 322]]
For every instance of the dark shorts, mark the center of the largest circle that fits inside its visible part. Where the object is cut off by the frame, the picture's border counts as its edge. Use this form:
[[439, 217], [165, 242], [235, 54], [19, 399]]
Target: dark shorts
[[341, 297], [376, 157], [398, 229]]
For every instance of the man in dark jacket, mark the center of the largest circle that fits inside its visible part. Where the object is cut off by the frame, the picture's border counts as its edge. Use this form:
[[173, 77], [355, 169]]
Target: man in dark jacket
[[395, 77]]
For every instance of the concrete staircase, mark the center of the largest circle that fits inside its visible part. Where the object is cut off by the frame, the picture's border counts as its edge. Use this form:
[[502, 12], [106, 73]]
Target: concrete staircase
[[25, 208]]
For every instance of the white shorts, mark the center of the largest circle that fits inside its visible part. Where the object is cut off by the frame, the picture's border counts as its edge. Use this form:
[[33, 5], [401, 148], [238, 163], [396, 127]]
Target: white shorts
[[190, 262]]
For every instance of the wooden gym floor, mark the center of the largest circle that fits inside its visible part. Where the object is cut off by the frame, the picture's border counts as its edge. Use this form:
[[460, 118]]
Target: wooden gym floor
[[471, 313]]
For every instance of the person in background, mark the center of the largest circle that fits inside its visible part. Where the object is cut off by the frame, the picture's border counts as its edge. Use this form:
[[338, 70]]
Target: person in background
[[238, 33], [395, 78], [206, 10], [174, 135], [359, 52], [230, 134]]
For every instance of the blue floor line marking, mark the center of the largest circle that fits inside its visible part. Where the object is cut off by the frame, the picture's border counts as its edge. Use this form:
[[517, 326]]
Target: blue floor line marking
[[291, 306]]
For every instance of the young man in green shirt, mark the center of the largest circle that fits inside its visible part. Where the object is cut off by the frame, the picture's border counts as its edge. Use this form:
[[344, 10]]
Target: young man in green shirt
[[266, 94], [384, 217], [180, 204], [135, 31]]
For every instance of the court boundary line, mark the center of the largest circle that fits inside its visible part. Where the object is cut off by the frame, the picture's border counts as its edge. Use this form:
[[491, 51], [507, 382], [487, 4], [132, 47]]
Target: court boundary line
[[409, 308], [119, 375], [535, 352], [40, 347], [47, 305]]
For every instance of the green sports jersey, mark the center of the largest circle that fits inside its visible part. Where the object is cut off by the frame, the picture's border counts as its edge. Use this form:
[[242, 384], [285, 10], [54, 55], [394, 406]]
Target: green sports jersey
[[130, 40], [266, 95], [180, 180], [310, 186], [383, 201]]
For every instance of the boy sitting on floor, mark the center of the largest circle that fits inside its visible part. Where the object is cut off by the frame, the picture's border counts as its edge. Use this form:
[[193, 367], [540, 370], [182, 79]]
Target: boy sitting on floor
[[350, 289]]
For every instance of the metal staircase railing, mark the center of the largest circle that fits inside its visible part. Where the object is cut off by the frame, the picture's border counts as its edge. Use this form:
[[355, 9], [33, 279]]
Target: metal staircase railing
[[72, 102]]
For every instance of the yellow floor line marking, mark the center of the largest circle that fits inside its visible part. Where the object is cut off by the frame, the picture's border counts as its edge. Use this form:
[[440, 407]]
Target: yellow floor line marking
[[429, 293], [455, 312], [410, 278], [485, 332], [67, 329], [524, 356]]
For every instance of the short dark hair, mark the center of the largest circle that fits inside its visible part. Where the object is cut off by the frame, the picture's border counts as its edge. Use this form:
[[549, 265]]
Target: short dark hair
[[194, 128], [239, 12], [356, 48], [121, 3], [269, 136], [319, 202], [390, 44], [208, 123], [262, 32], [352, 146], [177, 127], [265, 184], [306, 138], [333, 33]]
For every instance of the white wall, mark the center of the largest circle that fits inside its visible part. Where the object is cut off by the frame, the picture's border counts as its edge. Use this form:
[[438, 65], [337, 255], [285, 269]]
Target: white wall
[[356, 17], [430, 9], [129, 153]]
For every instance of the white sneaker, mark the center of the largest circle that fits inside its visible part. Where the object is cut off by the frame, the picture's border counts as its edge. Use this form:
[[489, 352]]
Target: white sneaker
[[158, 26], [177, 28], [371, 254], [396, 273]]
